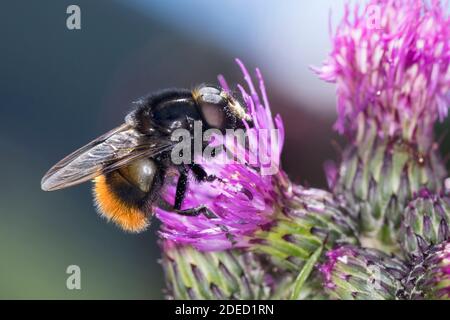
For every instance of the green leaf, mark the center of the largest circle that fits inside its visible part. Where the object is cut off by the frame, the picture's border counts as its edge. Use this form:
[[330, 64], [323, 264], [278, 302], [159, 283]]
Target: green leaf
[[304, 273]]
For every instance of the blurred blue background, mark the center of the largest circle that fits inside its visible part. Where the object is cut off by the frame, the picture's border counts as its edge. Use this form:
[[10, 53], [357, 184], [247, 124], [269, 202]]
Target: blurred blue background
[[61, 88]]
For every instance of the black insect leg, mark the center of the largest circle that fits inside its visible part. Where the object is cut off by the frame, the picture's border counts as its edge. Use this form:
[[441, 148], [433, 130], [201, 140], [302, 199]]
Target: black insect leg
[[200, 175], [180, 194], [181, 189], [191, 212]]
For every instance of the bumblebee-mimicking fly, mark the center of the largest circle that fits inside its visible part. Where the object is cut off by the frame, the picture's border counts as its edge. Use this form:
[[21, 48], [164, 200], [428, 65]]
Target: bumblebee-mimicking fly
[[129, 163]]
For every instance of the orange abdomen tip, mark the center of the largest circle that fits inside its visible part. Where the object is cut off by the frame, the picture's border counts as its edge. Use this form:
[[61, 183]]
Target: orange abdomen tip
[[111, 207]]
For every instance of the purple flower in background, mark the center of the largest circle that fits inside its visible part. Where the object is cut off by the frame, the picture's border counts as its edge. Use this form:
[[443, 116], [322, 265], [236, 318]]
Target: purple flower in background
[[391, 66], [390, 62], [244, 196]]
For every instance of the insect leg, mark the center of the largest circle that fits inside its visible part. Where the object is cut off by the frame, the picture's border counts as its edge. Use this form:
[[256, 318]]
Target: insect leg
[[181, 189], [191, 212]]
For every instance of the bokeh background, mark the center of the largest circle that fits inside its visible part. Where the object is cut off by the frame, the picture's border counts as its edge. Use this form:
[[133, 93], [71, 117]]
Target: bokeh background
[[60, 88]]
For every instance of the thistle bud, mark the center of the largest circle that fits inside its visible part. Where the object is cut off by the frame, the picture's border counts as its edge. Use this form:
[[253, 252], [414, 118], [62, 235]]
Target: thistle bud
[[355, 273], [425, 222], [429, 277]]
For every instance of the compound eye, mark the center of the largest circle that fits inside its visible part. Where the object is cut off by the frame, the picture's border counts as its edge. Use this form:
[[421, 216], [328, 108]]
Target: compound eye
[[212, 107], [213, 114], [140, 173]]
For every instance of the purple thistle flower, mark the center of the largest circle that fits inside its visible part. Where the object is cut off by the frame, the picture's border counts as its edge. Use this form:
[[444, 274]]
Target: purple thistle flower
[[264, 225], [243, 197], [391, 69]]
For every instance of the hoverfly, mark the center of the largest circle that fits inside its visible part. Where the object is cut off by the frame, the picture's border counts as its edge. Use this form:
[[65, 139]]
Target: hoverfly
[[129, 164]]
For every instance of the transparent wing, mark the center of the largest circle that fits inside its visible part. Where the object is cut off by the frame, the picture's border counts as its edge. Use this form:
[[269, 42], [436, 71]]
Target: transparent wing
[[107, 153]]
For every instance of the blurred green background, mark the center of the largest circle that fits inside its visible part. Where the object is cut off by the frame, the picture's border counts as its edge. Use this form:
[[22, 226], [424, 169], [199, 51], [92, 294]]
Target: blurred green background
[[61, 88]]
